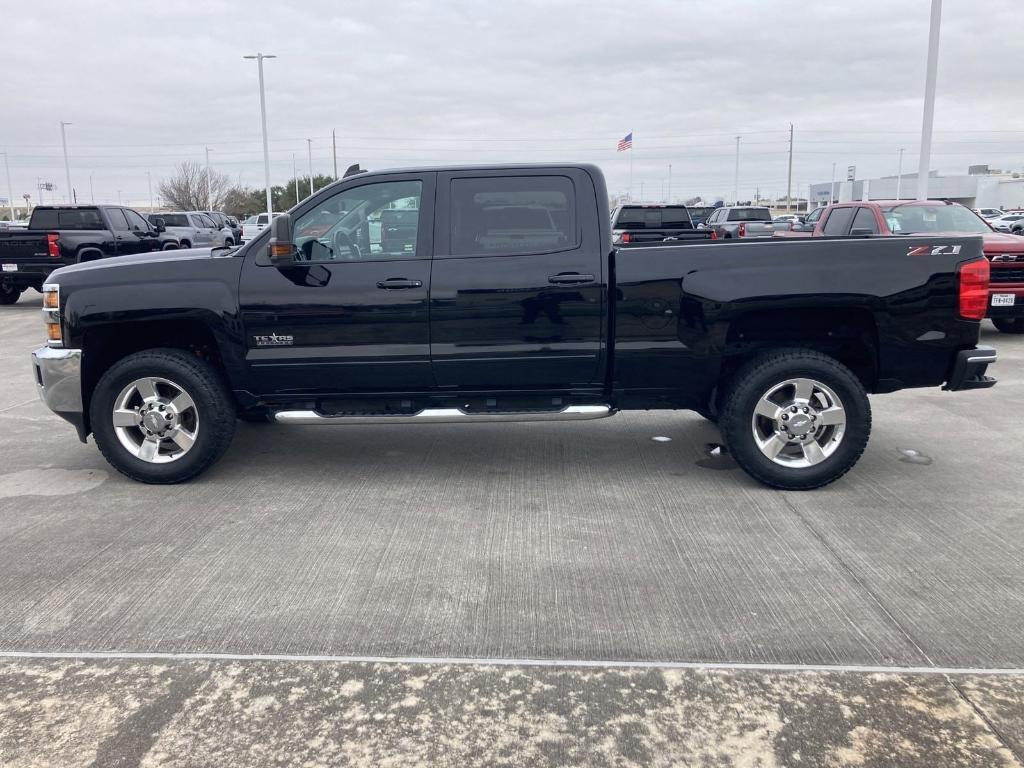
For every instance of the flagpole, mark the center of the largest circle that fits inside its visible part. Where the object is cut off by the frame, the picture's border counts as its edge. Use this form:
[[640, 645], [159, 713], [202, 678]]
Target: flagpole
[[631, 139]]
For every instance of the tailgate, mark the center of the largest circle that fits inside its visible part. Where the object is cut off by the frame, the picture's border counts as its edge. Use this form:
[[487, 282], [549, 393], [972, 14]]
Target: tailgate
[[760, 228], [25, 254]]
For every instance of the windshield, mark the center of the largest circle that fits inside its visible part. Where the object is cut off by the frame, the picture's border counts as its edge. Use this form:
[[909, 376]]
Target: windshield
[[921, 219], [667, 217], [750, 214]]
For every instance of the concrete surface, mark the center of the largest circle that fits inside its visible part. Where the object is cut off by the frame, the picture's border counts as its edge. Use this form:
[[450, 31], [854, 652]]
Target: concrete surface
[[556, 541]]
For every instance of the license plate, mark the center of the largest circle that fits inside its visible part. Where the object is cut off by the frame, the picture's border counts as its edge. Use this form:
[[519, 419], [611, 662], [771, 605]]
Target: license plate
[[998, 299], [10, 267]]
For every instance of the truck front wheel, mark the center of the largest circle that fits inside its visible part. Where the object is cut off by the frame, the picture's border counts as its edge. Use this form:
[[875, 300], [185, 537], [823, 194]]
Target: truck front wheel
[[795, 419], [162, 416]]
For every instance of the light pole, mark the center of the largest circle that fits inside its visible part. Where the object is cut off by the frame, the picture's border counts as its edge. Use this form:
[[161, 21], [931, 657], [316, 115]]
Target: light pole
[[67, 168], [149, 183], [832, 186], [669, 183], [92, 197], [209, 194], [10, 189], [263, 117], [309, 155], [899, 172], [295, 178], [736, 177], [929, 101], [789, 175]]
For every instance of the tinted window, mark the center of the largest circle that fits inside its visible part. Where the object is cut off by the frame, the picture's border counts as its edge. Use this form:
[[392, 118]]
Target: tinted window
[[207, 222], [865, 219], [750, 214], [838, 222], [261, 219], [814, 215], [367, 223], [88, 218], [172, 219], [135, 221], [668, 217], [117, 219], [512, 215]]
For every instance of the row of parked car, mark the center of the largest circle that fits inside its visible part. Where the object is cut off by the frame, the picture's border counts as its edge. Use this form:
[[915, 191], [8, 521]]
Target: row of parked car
[[639, 225]]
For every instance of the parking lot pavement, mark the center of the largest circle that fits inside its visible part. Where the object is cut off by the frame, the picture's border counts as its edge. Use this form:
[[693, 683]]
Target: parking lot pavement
[[535, 541]]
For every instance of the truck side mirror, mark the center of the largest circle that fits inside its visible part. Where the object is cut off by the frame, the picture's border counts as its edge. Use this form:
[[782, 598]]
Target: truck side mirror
[[282, 245], [158, 224]]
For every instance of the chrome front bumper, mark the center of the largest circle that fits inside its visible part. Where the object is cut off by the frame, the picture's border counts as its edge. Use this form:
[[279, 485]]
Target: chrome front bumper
[[58, 374]]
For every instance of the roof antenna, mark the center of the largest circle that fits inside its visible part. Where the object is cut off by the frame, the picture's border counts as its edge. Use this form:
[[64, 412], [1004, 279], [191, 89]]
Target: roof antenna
[[353, 170]]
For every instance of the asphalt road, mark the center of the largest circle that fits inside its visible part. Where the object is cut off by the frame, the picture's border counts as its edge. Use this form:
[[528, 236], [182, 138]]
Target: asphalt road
[[575, 542]]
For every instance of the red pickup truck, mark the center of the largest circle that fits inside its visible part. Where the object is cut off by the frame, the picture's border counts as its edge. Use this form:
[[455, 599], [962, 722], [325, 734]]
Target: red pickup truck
[[934, 217]]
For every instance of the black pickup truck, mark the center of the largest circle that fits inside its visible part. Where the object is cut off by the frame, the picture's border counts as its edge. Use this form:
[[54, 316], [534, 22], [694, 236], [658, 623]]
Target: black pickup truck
[[59, 235], [408, 297], [640, 224]]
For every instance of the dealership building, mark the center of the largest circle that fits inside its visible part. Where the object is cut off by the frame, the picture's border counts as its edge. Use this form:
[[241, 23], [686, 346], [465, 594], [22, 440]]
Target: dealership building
[[980, 187]]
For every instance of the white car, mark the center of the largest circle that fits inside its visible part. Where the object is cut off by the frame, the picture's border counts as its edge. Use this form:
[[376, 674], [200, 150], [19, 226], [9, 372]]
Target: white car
[[254, 225], [989, 213], [1008, 221]]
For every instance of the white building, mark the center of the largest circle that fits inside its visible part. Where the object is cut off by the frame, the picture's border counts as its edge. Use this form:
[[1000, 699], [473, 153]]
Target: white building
[[980, 188]]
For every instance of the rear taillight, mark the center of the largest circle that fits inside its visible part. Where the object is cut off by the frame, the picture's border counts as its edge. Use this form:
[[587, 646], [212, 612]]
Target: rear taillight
[[974, 277], [51, 245], [714, 234], [626, 237], [741, 230]]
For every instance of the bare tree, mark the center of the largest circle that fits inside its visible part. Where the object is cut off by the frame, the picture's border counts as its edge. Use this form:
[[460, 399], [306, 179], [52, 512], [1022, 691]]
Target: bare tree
[[186, 189]]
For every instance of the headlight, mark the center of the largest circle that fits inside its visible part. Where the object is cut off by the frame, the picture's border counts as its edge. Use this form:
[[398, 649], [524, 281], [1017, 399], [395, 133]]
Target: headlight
[[51, 315]]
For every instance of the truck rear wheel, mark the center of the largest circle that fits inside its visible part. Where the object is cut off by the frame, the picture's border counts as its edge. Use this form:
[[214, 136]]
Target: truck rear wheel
[[1009, 324], [9, 294], [795, 419], [162, 416]]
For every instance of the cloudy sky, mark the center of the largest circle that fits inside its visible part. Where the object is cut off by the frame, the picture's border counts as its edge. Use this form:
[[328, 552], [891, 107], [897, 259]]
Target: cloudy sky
[[407, 82]]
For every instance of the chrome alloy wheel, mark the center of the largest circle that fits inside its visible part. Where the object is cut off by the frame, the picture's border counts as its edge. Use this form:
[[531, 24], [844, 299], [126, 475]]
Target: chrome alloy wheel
[[155, 420], [798, 423]]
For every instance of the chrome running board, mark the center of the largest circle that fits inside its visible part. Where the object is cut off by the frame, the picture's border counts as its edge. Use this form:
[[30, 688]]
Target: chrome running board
[[449, 416]]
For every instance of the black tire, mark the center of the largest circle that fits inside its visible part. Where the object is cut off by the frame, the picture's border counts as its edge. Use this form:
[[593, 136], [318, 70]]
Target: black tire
[[770, 369], [213, 403], [1009, 324], [9, 294], [184, 244]]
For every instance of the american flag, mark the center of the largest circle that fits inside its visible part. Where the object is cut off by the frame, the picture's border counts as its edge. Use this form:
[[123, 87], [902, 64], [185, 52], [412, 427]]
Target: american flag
[[626, 142]]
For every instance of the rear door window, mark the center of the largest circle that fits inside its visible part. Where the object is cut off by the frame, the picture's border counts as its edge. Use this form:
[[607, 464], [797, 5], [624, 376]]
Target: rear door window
[[750, 214], [668, 217], [838, 222], [512, 215]]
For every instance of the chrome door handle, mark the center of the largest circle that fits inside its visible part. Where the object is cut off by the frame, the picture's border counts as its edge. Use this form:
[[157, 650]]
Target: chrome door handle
[[570, 278], [399, 282]]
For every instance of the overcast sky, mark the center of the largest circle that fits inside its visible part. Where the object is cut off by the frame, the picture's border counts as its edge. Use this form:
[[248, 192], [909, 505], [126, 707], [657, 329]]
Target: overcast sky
[[445, 81]]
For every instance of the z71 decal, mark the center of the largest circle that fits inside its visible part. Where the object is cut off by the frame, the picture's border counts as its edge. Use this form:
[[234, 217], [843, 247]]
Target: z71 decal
[[933, 250]]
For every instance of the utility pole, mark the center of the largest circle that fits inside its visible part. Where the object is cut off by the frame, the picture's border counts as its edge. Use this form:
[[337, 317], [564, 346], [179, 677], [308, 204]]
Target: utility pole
[[334, 147], [67, 168], [309, 157], [92, 197], [209, 193], [295, 178], [832, 186], [669, 182], [789, 175], [10, 189], [899, 172], [736, 177], [928, 118], [149, 183], [263, 117]]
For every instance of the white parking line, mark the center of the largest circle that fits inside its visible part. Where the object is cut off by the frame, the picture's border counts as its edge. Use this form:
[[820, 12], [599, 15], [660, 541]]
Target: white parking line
[[490, 662]]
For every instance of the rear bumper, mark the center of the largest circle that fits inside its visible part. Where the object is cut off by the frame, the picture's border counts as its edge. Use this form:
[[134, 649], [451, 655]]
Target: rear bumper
[[29, 275], [58, 376], [969, 368]]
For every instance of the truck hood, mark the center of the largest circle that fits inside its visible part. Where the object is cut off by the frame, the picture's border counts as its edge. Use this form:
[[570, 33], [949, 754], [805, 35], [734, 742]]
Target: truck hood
[[999, 242], [155, 257]]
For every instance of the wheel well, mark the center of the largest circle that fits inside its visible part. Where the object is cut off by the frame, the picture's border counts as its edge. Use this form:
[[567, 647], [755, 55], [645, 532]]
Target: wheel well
[[108, 344], [89, 254], [848, 335]]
